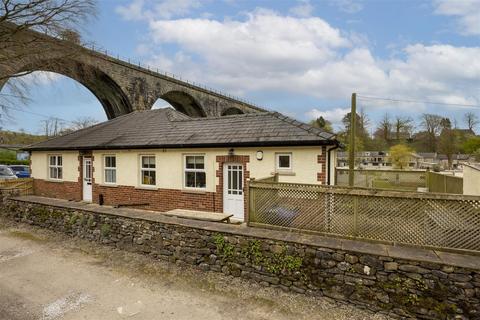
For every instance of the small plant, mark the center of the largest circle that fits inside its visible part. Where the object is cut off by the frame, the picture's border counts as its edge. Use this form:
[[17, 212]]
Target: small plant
[[105, 229], [90, 222], [73, 219], [280, 262], [224, 249], [253, 253]]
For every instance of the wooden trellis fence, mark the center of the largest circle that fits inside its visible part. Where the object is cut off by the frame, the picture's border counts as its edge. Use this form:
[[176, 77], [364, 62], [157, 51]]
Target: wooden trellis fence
[[429, 220], [19, 187]]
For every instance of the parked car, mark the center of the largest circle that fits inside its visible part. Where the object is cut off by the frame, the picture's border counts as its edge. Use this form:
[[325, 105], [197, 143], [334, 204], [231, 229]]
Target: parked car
[[21, 171], [6, 173]]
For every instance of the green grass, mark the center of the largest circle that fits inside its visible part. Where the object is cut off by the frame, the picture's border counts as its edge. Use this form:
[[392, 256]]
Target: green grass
[[384, 184]]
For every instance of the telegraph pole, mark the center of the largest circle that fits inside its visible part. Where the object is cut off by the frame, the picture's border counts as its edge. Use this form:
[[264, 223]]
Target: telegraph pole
[[351, 150]]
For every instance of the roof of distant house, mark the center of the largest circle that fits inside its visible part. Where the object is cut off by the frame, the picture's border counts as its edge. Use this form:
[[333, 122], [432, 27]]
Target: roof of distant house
[[12, 146], [454, 156], [167, 128], [432, 155]]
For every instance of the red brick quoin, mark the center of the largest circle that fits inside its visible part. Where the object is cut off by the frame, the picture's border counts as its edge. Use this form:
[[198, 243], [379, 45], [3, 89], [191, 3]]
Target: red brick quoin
[[322, 160]]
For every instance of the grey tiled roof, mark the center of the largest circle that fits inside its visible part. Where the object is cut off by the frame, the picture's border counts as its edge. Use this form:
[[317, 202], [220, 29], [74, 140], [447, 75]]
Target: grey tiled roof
[[167, 128]]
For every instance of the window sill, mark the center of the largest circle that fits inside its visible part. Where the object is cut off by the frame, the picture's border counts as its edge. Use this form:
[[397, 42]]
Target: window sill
[[55, 180], [109, 185], [195, 191], [151, 188], [284, 173]]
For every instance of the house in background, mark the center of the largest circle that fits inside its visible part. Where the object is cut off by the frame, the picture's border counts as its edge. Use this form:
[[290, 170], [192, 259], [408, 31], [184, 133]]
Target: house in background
[[164, 160], [374, 160], [20, 154]]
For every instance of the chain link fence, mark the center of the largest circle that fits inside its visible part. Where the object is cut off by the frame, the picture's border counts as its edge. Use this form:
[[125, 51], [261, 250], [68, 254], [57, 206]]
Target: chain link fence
[[429, 220]]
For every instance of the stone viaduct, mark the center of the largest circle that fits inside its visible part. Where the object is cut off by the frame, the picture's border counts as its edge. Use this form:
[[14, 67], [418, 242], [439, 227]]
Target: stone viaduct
[[122, 87]]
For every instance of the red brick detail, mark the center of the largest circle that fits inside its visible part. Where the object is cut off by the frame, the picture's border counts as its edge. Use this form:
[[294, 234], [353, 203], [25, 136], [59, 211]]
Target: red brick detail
[[221, 160], [157, 199], [62, 189], [322, 160]]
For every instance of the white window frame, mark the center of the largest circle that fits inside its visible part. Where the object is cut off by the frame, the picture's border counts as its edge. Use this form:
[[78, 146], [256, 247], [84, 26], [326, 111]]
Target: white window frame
[[277, 161], [105, 168], [148, 169], [56, 166], [185, 170]]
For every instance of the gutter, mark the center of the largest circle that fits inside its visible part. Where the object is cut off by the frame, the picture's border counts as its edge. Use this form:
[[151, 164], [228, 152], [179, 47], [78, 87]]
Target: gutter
[[337, 145], [193, 145]]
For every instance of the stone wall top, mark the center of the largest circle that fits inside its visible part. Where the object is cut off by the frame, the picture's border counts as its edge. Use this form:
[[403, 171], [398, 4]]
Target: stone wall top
[[356, 246]]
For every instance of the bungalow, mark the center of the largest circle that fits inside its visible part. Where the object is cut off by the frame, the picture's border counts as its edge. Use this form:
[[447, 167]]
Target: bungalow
[[164, 160]]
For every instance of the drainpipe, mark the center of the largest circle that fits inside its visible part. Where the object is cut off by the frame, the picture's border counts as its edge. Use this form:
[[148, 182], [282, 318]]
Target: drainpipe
[[328, 162]]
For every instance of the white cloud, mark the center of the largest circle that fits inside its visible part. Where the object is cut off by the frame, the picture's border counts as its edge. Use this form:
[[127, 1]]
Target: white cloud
[[41, 78], [303, 9], [149, 9], [269, 52], [348, 6], [467, 12], [265, 40], [134, 11], [170, 8], [333, 115]]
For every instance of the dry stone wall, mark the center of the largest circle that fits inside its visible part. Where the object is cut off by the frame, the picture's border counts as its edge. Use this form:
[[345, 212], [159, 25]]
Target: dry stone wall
[[401, 287]]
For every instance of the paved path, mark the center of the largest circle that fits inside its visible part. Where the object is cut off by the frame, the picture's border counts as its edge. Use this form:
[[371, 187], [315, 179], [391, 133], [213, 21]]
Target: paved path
[[47, 276]]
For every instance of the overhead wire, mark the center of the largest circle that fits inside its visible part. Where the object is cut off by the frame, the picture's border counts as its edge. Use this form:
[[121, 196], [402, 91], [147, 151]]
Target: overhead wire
[[460, 105]]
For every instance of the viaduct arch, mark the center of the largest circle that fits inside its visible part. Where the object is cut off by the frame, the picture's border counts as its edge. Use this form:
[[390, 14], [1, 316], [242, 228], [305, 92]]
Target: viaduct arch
[[122, 87]]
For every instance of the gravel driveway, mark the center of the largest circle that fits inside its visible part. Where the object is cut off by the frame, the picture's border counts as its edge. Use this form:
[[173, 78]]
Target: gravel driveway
[[48, 276]]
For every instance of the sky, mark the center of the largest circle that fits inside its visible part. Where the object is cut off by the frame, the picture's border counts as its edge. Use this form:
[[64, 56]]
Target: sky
[[299, 57]]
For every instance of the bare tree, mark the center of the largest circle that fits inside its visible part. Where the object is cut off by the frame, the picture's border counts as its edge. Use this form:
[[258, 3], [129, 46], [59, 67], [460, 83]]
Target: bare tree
[[29, 30], [403, 127], [385, 127], [53, 127], [471, 120], [364, 120], [432, 125], [447, 142], [83, 122]]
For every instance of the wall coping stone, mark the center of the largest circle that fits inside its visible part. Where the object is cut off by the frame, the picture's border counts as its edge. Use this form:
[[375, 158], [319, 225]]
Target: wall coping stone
[[358, 246]]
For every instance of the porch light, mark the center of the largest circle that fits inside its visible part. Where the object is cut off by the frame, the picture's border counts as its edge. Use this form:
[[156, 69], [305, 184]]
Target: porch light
[[259, 155], [231, 152]]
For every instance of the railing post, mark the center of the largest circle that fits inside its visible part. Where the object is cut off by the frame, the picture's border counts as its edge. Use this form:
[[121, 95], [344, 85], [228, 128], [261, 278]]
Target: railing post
[[355, 216], [251, 202]]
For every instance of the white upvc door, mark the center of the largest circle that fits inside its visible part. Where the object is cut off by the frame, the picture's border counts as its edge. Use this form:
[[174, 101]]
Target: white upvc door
[[233, 190], [87, 179]]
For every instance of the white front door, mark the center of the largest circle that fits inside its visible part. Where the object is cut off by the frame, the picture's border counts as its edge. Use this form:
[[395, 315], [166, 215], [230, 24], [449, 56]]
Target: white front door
[[233, 190], [87, 179]]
